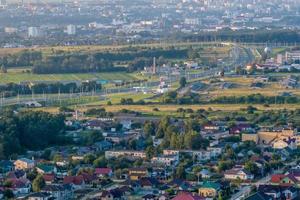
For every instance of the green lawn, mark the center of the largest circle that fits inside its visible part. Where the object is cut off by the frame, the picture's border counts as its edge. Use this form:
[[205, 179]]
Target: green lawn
[[17, 77]]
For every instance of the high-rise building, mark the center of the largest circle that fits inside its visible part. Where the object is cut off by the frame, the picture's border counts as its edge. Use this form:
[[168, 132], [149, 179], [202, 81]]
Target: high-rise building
[[71, 29], [3, 2], [33, 32]]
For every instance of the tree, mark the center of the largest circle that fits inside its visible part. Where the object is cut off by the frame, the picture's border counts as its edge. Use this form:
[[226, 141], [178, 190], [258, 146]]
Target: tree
[[182, 82], [38, 183], [149, 129], [220, 196], [150, 151], [89, 158], [100, 162], [180, 171], [8, 194], [251, 167], [3, 69]]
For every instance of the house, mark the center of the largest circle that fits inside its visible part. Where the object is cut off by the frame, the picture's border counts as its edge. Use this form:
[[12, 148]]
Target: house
[[241, 128], [18, 174], [148, 182], [24, 164], [214, 126], [39, 196], [114, 194], [167, 152], [6, 166], [76, 181], [103, 145], [259, 196], [49, 178], [96, 124], [209, 189], [46, 169], [238, 173], [279, 192], [188, 196], [205, 173], [119, 137], [137, 173], [179, 184], [165, 160], [268, 136], [149, 197], [103, 172], [59, 192], [290, 143], [129, 154], [20, 186], [285, 180]]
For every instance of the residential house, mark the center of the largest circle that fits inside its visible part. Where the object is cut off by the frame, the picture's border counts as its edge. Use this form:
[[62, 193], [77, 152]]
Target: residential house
[[59, 192], [238, 173], [46, 169], [241, 128], [49, 178], [285, 143], [119, 137], [137, 173], [168, 152], [259, 196], [103, 172], [103, 145], [76, 181], [6, 166], [24, 164], [279, 192], [114, 194], [205, 173], [148, 183], [20, 186], [188, 196], [165, 160], [209, 189], [149, 197], [129, 154], [39, 196]]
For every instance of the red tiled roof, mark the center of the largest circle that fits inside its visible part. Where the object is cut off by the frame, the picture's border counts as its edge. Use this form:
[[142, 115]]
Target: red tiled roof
[[187, 196], [276, 178], [103, 171], [49, 177], [76, 180]]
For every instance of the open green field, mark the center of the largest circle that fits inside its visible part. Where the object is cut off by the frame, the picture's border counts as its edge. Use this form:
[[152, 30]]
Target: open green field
[[17, 77], [171, 109], [97, 48]]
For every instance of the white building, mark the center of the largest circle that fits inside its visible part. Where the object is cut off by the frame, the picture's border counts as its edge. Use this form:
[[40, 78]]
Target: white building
[[71, 29], [33, 32], [129, 154], [238, 173], [165, 160]]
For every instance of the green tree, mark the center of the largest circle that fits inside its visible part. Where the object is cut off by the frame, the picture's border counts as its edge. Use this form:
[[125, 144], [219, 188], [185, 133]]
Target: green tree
[[38, 183], [150, 151], [182, 82], [149, 129], [100, 162], [89, 158], [8, 194]]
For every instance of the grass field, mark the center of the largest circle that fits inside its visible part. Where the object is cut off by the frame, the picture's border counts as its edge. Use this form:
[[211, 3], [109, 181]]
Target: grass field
[[94, 48], [17, 77]]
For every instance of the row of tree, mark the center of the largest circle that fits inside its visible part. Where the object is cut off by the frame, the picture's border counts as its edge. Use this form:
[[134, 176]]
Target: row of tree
[[13, 89], [29, 131]]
